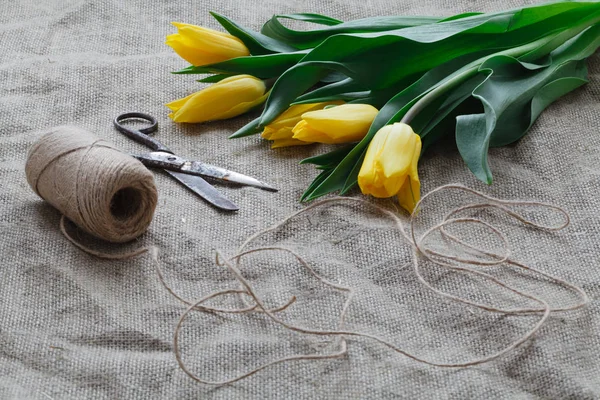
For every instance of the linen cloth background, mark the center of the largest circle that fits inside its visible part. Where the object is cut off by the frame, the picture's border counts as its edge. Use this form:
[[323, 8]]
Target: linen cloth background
[[73, 327]]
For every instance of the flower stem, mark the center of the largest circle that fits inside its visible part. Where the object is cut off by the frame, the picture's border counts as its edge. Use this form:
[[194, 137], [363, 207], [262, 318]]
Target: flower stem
[[438, 91]]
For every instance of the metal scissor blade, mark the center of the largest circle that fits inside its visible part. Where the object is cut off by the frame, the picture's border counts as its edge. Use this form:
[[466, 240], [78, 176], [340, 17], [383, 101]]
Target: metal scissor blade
[[204, 190], [169, 161], [200, 168]]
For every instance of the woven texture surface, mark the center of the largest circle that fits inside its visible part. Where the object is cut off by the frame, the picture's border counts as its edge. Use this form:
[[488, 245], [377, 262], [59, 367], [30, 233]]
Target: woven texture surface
[[74, 327]]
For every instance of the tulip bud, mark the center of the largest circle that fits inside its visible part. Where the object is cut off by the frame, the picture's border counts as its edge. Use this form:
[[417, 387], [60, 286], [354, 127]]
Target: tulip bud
[[280, 130], [341, 124], [225, 99], [202, 46], [390, 165]]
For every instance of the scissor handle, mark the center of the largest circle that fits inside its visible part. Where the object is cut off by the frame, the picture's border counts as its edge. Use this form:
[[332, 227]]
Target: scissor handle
[[141, 135]]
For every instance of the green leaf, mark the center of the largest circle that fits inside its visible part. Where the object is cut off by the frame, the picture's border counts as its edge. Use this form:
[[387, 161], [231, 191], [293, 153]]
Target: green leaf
[[215, 78], [472, 144], [427, 120], [352, 178], [251, 128], [548, 94], [459, 16], [311, 38], [378, 60], [447, 124], [458, 102], [514, 95], [333, 89], [312, 17], [352, 98], [379, 98], [257, 43], [263, 67], [316, 182], [333, 157]]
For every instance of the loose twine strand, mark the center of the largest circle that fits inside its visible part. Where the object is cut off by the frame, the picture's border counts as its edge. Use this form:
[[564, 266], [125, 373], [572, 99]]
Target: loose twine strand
[[253, 302]]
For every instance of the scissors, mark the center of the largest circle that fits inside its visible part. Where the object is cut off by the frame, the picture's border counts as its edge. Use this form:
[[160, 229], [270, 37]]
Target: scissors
[[187, 172]]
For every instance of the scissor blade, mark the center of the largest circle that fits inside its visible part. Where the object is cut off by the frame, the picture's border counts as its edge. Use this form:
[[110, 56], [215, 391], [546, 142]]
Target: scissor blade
[[200, 168], [169, 161], [204, 190]]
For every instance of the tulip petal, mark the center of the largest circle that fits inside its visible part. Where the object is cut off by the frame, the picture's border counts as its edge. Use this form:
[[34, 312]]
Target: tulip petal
[[288, 142], [369, 176], [267, 132], [399, 148], [186, 49], [303, 131], [280, 129], [214, 42], [410, 193], [341, 124], [281, 133], [241, 108], [390, 165], [180, 25], [175, 105], [225, 99], [291, 116], [202, 46]]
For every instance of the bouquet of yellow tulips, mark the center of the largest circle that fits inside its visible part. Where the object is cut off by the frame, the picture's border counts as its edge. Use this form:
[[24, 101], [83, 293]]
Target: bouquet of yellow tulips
[[370, 84]]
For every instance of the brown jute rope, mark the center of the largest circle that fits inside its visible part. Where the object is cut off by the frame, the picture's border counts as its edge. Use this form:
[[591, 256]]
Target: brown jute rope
[[105, 192], [252, 301]]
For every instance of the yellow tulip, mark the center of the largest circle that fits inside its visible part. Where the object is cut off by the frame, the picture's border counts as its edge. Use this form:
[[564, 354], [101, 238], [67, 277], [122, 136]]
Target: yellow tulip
[[390, 165], [280, 130], [225, 99], [341, 124], [202, 46]]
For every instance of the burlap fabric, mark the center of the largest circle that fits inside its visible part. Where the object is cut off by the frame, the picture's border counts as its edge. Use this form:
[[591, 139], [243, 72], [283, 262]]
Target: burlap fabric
[[74, 327]]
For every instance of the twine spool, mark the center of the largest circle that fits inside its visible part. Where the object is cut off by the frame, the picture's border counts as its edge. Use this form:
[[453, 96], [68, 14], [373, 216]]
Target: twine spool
[[105, 192]]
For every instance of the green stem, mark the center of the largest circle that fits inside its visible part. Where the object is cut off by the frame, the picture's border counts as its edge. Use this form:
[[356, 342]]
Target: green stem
[[472, 68], [438, 91]]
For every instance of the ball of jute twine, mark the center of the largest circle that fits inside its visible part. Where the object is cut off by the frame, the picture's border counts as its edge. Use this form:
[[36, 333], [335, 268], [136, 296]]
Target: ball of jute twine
[[105, 192]]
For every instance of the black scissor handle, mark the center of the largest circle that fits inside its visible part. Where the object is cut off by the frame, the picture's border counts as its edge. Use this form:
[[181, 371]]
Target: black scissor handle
[[141, 135]]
